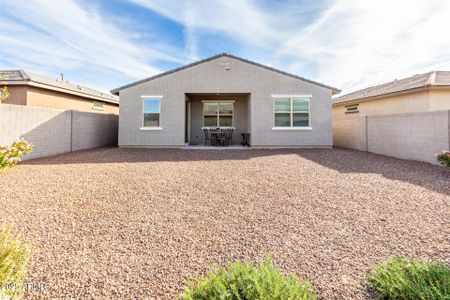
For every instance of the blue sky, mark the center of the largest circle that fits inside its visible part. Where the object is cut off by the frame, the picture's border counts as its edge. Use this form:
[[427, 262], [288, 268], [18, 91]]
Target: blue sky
[[349, 44]]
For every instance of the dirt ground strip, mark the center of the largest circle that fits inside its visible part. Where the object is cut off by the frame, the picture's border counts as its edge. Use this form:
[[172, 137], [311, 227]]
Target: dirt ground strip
[[138, 223]]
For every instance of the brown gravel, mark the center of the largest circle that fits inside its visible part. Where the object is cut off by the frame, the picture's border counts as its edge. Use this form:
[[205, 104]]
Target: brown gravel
[[137, 223]]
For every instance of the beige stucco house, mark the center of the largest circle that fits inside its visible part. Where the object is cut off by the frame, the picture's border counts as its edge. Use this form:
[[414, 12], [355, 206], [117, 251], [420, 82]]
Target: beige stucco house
[[407, 118], [26, 88], [419, 93]]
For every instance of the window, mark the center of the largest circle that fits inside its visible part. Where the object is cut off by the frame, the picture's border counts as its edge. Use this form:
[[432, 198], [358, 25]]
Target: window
[[152, 111], [98, 105], [291, 112], [351, 109], [218, 114]]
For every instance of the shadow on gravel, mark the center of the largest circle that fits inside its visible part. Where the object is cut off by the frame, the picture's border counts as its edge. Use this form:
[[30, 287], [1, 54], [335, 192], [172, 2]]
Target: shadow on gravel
[[342, 160]]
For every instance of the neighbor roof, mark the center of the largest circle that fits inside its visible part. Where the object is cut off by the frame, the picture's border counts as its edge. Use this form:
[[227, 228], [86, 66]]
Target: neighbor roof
[[116, 91], [425, 80], [21, 77]]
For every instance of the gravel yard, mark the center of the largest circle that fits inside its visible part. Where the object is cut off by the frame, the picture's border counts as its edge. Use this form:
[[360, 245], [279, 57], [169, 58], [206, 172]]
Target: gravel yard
[[138, 223]]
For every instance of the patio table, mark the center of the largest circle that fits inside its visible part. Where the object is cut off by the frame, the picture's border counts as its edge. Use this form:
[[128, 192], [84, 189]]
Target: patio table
[[217, 134]]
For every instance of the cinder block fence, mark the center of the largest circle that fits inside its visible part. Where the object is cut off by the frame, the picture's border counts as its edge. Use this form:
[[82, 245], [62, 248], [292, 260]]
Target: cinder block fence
[[415, 136], [54, 131]]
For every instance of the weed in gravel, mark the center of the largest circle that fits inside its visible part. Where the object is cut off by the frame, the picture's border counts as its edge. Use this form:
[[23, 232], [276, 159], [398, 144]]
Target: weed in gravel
[[14, 256], [245, 281], [444, 158], [400, 278]]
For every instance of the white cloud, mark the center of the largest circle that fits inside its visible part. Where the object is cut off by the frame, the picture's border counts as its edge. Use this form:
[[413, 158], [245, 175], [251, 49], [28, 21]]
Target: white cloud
[[360, 43], [351, 44], [242, 20], [72, 36]]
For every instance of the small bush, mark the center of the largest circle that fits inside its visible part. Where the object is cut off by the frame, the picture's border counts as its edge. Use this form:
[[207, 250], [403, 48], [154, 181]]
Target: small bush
[[10, 155], [400, 278], [244, 281], [444, 158], [14, 256]]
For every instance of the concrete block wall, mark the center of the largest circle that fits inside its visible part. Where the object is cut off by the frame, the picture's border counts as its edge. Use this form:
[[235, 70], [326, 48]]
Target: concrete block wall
[[415, 136], [55, 131], [350, 132], [91, 130]]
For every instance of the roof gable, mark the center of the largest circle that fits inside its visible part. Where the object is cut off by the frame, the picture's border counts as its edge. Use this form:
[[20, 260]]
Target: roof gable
[[116, 91]]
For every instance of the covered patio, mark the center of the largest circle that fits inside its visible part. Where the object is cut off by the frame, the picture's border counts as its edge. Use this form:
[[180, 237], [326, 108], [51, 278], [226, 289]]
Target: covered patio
[[219, 113]]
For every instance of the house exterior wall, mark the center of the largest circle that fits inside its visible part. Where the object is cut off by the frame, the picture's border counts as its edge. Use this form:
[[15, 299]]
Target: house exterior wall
[[53, 99], [407, 103], [212, 77], [240, 117], [439, 99], [17, 95]]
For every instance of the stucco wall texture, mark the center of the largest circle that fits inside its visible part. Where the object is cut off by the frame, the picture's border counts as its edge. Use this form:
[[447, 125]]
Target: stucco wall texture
[[411, 102], [34, 96], [54, 131], [415, 136], [212, 77]]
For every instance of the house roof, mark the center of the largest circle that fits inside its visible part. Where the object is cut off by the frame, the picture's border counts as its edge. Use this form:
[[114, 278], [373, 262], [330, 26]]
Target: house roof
[[116, 91], [425, 80], [21, 77]]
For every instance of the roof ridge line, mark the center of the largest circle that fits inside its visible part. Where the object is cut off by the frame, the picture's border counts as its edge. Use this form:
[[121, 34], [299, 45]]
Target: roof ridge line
[[24, 74], [431, 79]]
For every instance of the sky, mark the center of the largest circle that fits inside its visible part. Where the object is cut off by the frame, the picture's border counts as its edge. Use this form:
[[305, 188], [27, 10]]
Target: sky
[[104, 44]]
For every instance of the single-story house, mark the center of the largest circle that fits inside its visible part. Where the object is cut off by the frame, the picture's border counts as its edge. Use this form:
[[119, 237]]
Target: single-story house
[[419, 93], [276, 108], [29, 89]]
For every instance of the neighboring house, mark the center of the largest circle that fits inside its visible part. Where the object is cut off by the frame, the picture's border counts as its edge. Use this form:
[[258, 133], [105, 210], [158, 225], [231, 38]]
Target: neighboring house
[[278, 109], [31, 89], [419, 93], [407, 118]]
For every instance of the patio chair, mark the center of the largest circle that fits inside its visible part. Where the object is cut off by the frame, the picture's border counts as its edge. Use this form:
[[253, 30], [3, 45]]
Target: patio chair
[[229, 136], [208, 137], [226, 137], [221, 137]]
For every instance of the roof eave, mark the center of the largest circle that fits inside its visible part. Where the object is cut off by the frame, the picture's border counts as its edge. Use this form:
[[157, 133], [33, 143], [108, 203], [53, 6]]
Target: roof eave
[[402, 92]]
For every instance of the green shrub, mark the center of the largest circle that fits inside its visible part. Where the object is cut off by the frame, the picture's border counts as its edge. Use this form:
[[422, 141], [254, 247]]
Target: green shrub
[[245, 281], [14, 256], [400, 278], [444, 158], [10, 155]]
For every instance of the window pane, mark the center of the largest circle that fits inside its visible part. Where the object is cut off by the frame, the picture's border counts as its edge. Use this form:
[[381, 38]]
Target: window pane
[[225, 108], [209, 108], [300, 104], [151, 120], [151, 105], [210, 121], [301, 120], [282, 104], [282, 120], [225, 121], [98, 105]]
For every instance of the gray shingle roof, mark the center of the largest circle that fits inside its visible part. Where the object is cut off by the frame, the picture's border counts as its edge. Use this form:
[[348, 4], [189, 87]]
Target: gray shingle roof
[[430, 79], [115, 91], [19, 77]]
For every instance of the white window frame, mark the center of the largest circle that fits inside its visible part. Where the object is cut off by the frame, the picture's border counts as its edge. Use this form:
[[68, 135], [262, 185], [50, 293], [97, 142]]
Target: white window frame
[[150, 97], [291, 112], [218, 114]]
